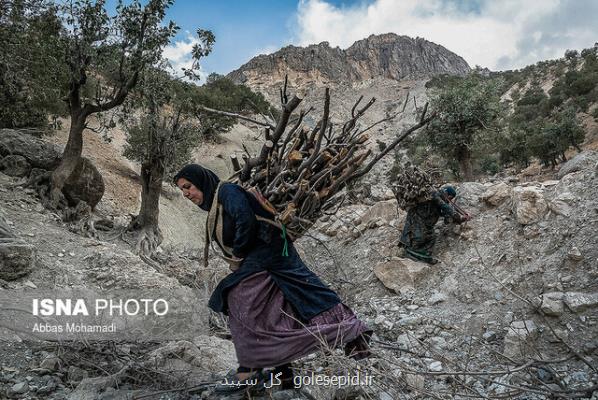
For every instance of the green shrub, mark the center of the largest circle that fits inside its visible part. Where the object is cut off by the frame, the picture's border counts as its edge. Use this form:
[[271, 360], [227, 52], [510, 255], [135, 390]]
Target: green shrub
[[489, 164]]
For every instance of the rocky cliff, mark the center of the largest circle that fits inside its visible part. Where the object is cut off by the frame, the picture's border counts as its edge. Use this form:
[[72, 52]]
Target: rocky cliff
[[389, 55]]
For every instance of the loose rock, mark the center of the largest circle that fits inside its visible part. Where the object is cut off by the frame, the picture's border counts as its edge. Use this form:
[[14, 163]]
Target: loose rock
[[529, 204], [401, 274], [578, 302], [495, 195]]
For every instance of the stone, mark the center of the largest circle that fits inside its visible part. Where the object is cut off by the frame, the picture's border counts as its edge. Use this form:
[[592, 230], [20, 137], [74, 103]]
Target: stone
[[435, 366], [437, 297], [574, 254], [552, 303], [18, 388], [51, 363], [333, 228], [48, 388], [529, 204], [489, 336], [520, 335], [403, 341], [383, 211], [438, 342], [563, 204], [15, 165], [85, 184], [37, 152], [193, 362], [583, 160], [401, 274], [495, 195], [410, 320], [578, 302]]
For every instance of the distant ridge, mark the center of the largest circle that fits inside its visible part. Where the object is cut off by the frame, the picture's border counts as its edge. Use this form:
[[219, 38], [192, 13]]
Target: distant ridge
[[388, 55]]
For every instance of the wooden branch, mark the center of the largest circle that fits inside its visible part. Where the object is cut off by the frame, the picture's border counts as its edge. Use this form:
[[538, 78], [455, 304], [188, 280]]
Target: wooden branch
[[302, 114], [422, 122], [287, 110], [232, 115], [235, 161]]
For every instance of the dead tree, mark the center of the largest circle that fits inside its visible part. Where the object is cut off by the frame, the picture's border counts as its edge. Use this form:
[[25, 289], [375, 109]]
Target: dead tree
[[299, 169]]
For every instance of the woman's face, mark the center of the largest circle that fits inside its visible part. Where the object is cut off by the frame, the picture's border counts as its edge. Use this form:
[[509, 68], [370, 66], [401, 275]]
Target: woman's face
[[190, 191]]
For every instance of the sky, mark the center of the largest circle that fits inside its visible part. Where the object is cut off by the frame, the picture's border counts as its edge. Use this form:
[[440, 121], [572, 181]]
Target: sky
[[498, 34]]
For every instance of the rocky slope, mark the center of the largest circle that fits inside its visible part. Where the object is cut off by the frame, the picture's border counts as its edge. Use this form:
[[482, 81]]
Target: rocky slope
[[389, 56], [516, 284]]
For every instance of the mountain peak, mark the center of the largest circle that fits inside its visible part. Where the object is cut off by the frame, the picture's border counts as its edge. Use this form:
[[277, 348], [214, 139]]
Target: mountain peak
[[388, 55]]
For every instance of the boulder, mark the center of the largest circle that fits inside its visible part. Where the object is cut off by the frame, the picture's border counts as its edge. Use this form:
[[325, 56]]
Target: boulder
[[15, 165], [51, 363], [192, 363], [529, 204], [37, 152], [583, 160], [384, 210], [468, 194], [85, 184], [520, 335], [219, 354], [401, 274], [563, 204], [495, 195], [18, 389], [552, 303], [578, 302]]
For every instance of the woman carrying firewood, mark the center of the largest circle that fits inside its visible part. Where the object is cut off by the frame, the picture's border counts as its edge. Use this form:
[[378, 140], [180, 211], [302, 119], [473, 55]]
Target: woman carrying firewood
[[278, 309]]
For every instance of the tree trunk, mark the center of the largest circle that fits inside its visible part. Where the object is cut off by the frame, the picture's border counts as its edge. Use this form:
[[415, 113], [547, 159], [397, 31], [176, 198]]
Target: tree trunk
[[465, 166], [151, 185], [70, 157], [150, 237]]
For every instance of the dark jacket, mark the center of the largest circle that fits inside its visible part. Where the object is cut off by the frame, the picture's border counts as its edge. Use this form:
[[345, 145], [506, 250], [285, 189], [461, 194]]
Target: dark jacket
[[261, 247], [430, 211]]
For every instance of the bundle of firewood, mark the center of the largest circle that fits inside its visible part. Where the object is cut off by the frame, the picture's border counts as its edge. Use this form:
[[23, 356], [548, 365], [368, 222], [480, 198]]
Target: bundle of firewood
[[299, 170], [413, 186]]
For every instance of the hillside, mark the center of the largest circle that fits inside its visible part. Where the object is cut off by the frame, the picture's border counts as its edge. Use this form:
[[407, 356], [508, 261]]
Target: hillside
[[531, 241]]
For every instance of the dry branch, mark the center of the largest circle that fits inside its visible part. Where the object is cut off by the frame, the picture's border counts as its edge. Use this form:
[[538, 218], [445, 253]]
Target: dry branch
[[301, 174]]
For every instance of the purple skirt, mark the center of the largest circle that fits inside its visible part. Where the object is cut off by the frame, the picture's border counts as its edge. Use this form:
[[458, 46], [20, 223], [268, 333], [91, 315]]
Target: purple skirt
[[266, 332]]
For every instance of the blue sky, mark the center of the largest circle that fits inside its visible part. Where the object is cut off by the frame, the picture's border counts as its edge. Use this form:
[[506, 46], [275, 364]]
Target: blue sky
[[499, 34]]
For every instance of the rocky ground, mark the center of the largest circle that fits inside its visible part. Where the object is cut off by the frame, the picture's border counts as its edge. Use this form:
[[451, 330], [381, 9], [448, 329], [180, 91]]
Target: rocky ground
[[510, 312]]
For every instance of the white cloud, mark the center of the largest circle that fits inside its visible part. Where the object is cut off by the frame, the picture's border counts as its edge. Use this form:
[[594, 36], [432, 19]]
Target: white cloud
[[495, 34], [178, 55]]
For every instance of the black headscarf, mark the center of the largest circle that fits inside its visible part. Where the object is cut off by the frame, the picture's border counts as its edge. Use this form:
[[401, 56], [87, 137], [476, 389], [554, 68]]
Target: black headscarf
[[203, 179]]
